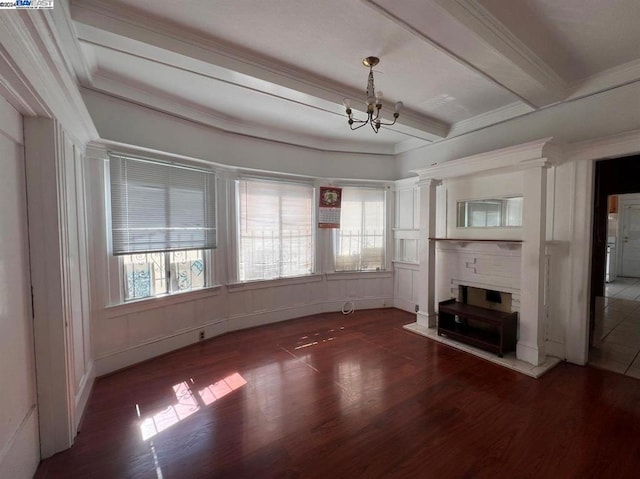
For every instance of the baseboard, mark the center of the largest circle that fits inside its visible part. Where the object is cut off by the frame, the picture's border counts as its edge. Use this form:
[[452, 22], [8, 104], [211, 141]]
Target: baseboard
[[82, 397], [554, 348], [527, 353], [19, 458], [405, 305], [142, 352]]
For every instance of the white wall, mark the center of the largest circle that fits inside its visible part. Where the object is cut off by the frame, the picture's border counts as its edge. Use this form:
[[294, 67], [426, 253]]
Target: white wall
[[19, 444], [125, 122]]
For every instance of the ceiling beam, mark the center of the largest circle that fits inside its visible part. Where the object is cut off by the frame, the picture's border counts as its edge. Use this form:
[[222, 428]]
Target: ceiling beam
[[171, 45], [469, 33]]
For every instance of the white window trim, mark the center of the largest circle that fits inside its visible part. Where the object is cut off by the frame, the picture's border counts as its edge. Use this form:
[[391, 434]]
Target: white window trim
[[279, 179], [115, 271], [388, 218]]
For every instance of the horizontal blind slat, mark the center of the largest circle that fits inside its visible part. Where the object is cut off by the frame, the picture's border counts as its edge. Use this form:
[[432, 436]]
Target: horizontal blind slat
[[160, 207]]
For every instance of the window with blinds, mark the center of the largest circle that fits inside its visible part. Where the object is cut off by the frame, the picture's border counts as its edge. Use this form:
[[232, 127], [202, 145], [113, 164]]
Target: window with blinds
[[163, 223], [159, 206], [275, 229], [359, 244]]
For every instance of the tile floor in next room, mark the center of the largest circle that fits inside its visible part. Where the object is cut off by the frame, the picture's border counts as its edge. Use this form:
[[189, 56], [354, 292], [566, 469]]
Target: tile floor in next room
[[618, 347]]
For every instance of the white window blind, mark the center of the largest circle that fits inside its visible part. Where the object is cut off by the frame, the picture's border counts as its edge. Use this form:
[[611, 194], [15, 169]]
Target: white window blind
[[160, 206], [275, 229], [360, 242]]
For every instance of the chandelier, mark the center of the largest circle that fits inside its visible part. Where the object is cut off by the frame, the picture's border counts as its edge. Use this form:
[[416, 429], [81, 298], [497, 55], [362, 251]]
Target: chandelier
[[374, 103]]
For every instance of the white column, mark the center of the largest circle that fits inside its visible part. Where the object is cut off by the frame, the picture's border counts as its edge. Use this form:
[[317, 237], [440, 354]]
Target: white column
[[532, 318], [426, 316]]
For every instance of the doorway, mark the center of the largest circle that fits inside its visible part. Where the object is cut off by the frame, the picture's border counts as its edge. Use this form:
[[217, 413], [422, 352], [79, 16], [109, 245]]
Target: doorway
[[615, 282]]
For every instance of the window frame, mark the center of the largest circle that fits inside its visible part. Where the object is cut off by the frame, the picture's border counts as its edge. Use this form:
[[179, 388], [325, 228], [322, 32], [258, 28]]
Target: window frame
[[386, 237], [313, 251], [116, 296], [207, 261]]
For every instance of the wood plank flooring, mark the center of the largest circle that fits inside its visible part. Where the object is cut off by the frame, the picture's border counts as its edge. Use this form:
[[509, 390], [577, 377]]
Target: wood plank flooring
[[333, 396]]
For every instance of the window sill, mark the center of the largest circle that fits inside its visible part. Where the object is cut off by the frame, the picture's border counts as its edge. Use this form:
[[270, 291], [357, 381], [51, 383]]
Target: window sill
[[405, 263], [270, 283], [341, 275], [154, 302]]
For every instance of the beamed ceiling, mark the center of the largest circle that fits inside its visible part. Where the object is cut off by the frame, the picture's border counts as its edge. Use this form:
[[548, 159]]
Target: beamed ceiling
[[280, 69]]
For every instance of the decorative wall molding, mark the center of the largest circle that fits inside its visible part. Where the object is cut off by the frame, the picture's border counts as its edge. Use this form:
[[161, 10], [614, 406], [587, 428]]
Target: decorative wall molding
[[489, 118], [125, 357], [538, 153], [614, 146], [616, 76], [37, 81]]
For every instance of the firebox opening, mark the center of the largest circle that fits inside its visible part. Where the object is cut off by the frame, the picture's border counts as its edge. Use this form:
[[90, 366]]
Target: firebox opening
[[485, 298]]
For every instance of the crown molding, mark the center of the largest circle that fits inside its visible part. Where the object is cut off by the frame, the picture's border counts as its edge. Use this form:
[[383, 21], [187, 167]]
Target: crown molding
[[406, 183], [37, 80], [132, 25], [490, 118], [614, 146], [159, 104], [539, 153], [67, 38], [606, 80], [410, 144]]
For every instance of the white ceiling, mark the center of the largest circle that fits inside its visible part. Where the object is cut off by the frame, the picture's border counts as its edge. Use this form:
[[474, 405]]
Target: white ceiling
[[280, 69]]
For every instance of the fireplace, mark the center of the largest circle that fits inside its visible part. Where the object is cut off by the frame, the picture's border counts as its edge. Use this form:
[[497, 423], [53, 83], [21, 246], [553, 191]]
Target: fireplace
[[485, 298]]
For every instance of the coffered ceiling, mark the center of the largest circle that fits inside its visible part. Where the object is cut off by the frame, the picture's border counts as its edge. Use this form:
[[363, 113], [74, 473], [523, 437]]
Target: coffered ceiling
[[280, 69]]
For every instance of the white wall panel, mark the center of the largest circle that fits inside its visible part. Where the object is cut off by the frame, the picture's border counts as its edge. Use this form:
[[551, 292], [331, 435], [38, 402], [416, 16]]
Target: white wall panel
[[19, 444], [61, 283]]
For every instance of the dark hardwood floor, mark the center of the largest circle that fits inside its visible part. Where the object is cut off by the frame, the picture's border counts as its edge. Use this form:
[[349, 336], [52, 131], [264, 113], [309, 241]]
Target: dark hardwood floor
[[334, 396]]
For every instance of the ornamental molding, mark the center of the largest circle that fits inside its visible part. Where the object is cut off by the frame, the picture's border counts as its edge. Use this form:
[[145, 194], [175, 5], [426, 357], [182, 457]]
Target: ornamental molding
[[535, 154]]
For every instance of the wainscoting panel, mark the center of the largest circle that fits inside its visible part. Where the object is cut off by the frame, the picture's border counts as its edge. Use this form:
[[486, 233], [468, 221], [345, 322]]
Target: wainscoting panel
[[125, 336]]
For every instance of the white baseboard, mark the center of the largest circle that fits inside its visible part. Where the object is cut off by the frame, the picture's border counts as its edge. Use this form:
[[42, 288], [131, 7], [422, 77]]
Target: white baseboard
[[142, 352], [19, 458], [528, 353], [405, 305], [84, 391], [555, 348]]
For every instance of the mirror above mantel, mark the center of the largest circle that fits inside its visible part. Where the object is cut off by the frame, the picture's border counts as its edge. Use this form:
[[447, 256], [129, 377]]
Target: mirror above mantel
[[500, 212]]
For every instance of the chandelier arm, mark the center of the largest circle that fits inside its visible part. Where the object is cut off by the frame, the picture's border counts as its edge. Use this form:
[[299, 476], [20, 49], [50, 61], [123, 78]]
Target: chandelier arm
[[389, 124], [362, 123]]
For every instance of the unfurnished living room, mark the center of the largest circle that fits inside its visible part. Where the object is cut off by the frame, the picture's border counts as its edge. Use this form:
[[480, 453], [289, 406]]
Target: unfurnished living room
[[317, 239]]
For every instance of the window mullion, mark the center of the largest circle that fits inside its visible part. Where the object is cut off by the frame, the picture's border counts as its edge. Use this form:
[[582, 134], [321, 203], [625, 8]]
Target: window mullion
[[167, 271]]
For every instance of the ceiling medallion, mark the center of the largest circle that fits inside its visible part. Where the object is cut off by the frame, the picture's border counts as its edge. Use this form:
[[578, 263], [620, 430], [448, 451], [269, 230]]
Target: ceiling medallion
[[374, 103]]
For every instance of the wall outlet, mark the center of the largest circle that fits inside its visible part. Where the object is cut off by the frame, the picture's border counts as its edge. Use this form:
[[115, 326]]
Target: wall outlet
[[417, 308], [201, 335]]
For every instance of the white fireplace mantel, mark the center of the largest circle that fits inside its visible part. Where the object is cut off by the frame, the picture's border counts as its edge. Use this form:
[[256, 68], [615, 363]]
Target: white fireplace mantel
[[532, 159]]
